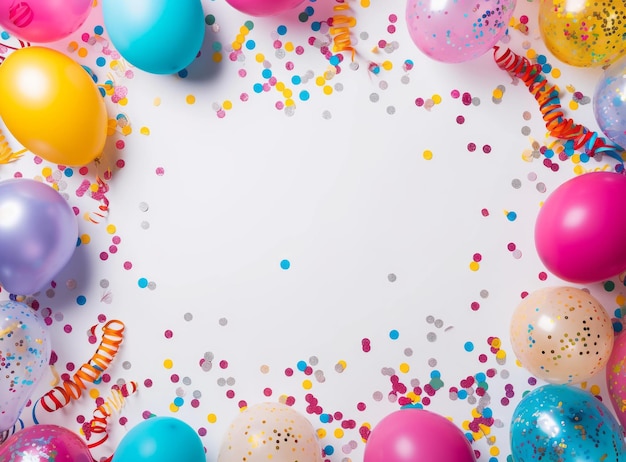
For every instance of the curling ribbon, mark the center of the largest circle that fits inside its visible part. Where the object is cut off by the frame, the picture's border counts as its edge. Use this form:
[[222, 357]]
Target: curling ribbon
[[576, 136], [6, 153], [4, 48], [100, 195], [10, 431], [98, 424], [61, 396], [340, 29]]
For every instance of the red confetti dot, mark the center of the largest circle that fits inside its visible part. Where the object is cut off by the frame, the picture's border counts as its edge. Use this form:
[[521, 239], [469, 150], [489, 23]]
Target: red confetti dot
[[477, 257], [242, 404], [361, 406], [230, 394], [67, 328], [174, 378], [289, 372], [223, 364], [471, 147], [484, 212], [267, 392], [543, 276], [104, 256], [475, 306], [486, 149], [482, 358], [147, 383], [169, 334], [460, 120], [511, 246], [119, 144]]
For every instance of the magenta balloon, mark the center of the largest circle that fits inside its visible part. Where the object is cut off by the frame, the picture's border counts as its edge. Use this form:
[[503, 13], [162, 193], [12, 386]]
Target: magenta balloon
[[417, 435], [616, 378], [44, 443], [38, 235], [43, 20], [455, 31], [264, 7], [579, 231]]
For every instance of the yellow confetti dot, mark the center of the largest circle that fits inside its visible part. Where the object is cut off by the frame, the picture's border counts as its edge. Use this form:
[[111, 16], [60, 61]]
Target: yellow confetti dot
[[157, 101], [94, 393], [328, 90], [413, 397], [127, 130], [244, 30], [387, 65], [436, 99], [236, 46], [573, 105], [620, 300], [531, 54], [123, 101], [498, 93], [404, 368], [287, 93], [240, 38], [212, 418], [474, 266], [93, 187], [289, 47], [595, 389], [217, 57], [465, 425], [575, 158], [556, 73], [338, 433], [144, 131], [365, 3], [319, 81], [307, 384], [190, 99], [484, 429], [428, 154], [46, 172], [168, 364], [82, 52], [227, 105], [501, 354], [496, 343], [259, 58], [342, 363], [111, 229], [475, 413], [494, 451], [289, 102], [85, 238], [173, 407], [72, 46], [280, 86], [321, 433]]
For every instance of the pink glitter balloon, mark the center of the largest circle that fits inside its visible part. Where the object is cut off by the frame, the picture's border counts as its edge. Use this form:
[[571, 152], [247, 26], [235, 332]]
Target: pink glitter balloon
[[43, 443]]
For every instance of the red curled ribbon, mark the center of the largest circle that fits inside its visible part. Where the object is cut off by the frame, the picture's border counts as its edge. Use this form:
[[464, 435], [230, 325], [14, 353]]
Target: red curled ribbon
[[576, 136], [98, 424], [61, 396]]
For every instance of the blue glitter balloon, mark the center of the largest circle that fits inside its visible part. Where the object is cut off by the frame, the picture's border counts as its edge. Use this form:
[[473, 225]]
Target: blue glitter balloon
[[562, 423]]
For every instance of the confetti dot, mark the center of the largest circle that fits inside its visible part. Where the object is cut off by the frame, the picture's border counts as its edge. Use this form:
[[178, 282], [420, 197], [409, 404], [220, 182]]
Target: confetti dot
[[285, 264]]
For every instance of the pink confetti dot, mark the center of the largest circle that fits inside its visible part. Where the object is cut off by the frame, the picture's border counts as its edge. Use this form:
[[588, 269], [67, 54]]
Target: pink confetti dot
[[484, 212], [160, 171], [202, 431], [223, 364], [382, 43], [147, 383], [174, 378], [80, 419], [455, 94], [67, 328], [127, 265], [119, 144], [70, 366], [92, 339], [391, 28], [393, 18], [471, 147], [17, 175], [168, 334], [299, 50], [112, 249], [230, 394], [267, 392], [289, 66], [289, 372], [48, 321], [419, 102], [477, 257], [242, 404], [221, 114], [543, 276], [475, 306], [104, 256], [523, 19], [102, 317], [195, 403], [38, 160], [511, 246], [460, 120], [123, 421], [146, 414], [361, 406], [486, 149], [242, 73], [290, 401], [277, 44], [244, 97], [482, 358], [83, 170]]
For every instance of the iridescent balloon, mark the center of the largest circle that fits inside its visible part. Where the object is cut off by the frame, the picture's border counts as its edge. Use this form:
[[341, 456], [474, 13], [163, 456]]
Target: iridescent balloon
[[38, 235], [45, 443], [561, 423], [609, 102], [24, 355]]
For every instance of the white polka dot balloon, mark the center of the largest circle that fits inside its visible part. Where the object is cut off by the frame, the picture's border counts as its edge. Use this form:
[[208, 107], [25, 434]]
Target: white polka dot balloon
[[270, 431]]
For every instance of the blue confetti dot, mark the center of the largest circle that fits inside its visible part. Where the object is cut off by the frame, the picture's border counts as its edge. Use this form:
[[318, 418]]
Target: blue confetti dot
[[142, 283], [282, 30], [435, 374], [178, 401], [394, 334], [487, 413], [296, 80], [217, 46], [285, 264], [334, 60], [309, 10], [183, 73], [469, 346], [301, 366], [267, 73], [481, 377], [100, 62], [325, 418], [81, 300], [5, 35], [542, 59], [68, 172], [258, 87], [250, 44], [511, 216], [316, 26], [462, 394], [329, 450], [98, 30], [304, 95], [617, 326]]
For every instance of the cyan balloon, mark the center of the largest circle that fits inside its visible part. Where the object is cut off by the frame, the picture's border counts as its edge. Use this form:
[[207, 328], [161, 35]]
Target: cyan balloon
[[157, 36], [160, 439], [562, 423], [38, 235]]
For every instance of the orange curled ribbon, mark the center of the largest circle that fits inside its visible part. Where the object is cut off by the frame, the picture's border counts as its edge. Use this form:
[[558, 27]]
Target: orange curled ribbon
[[340, 29], [576, 136], [98, 424], [61, 396]]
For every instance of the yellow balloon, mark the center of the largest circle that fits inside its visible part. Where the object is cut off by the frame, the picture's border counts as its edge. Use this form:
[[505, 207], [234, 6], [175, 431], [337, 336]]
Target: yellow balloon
[[584, 33], [562, 335], [52, 106]]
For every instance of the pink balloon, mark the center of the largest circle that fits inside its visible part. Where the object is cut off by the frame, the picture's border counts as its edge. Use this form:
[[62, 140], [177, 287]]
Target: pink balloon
[[417, 435], [579, 231], [616, 378], [455, 31], [43, 20], [264, 7], [44, 443]]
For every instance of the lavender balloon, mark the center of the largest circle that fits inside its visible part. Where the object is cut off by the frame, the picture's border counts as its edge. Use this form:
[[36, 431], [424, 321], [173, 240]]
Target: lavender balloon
[[38, 234], [24, 356], [609, 102]]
